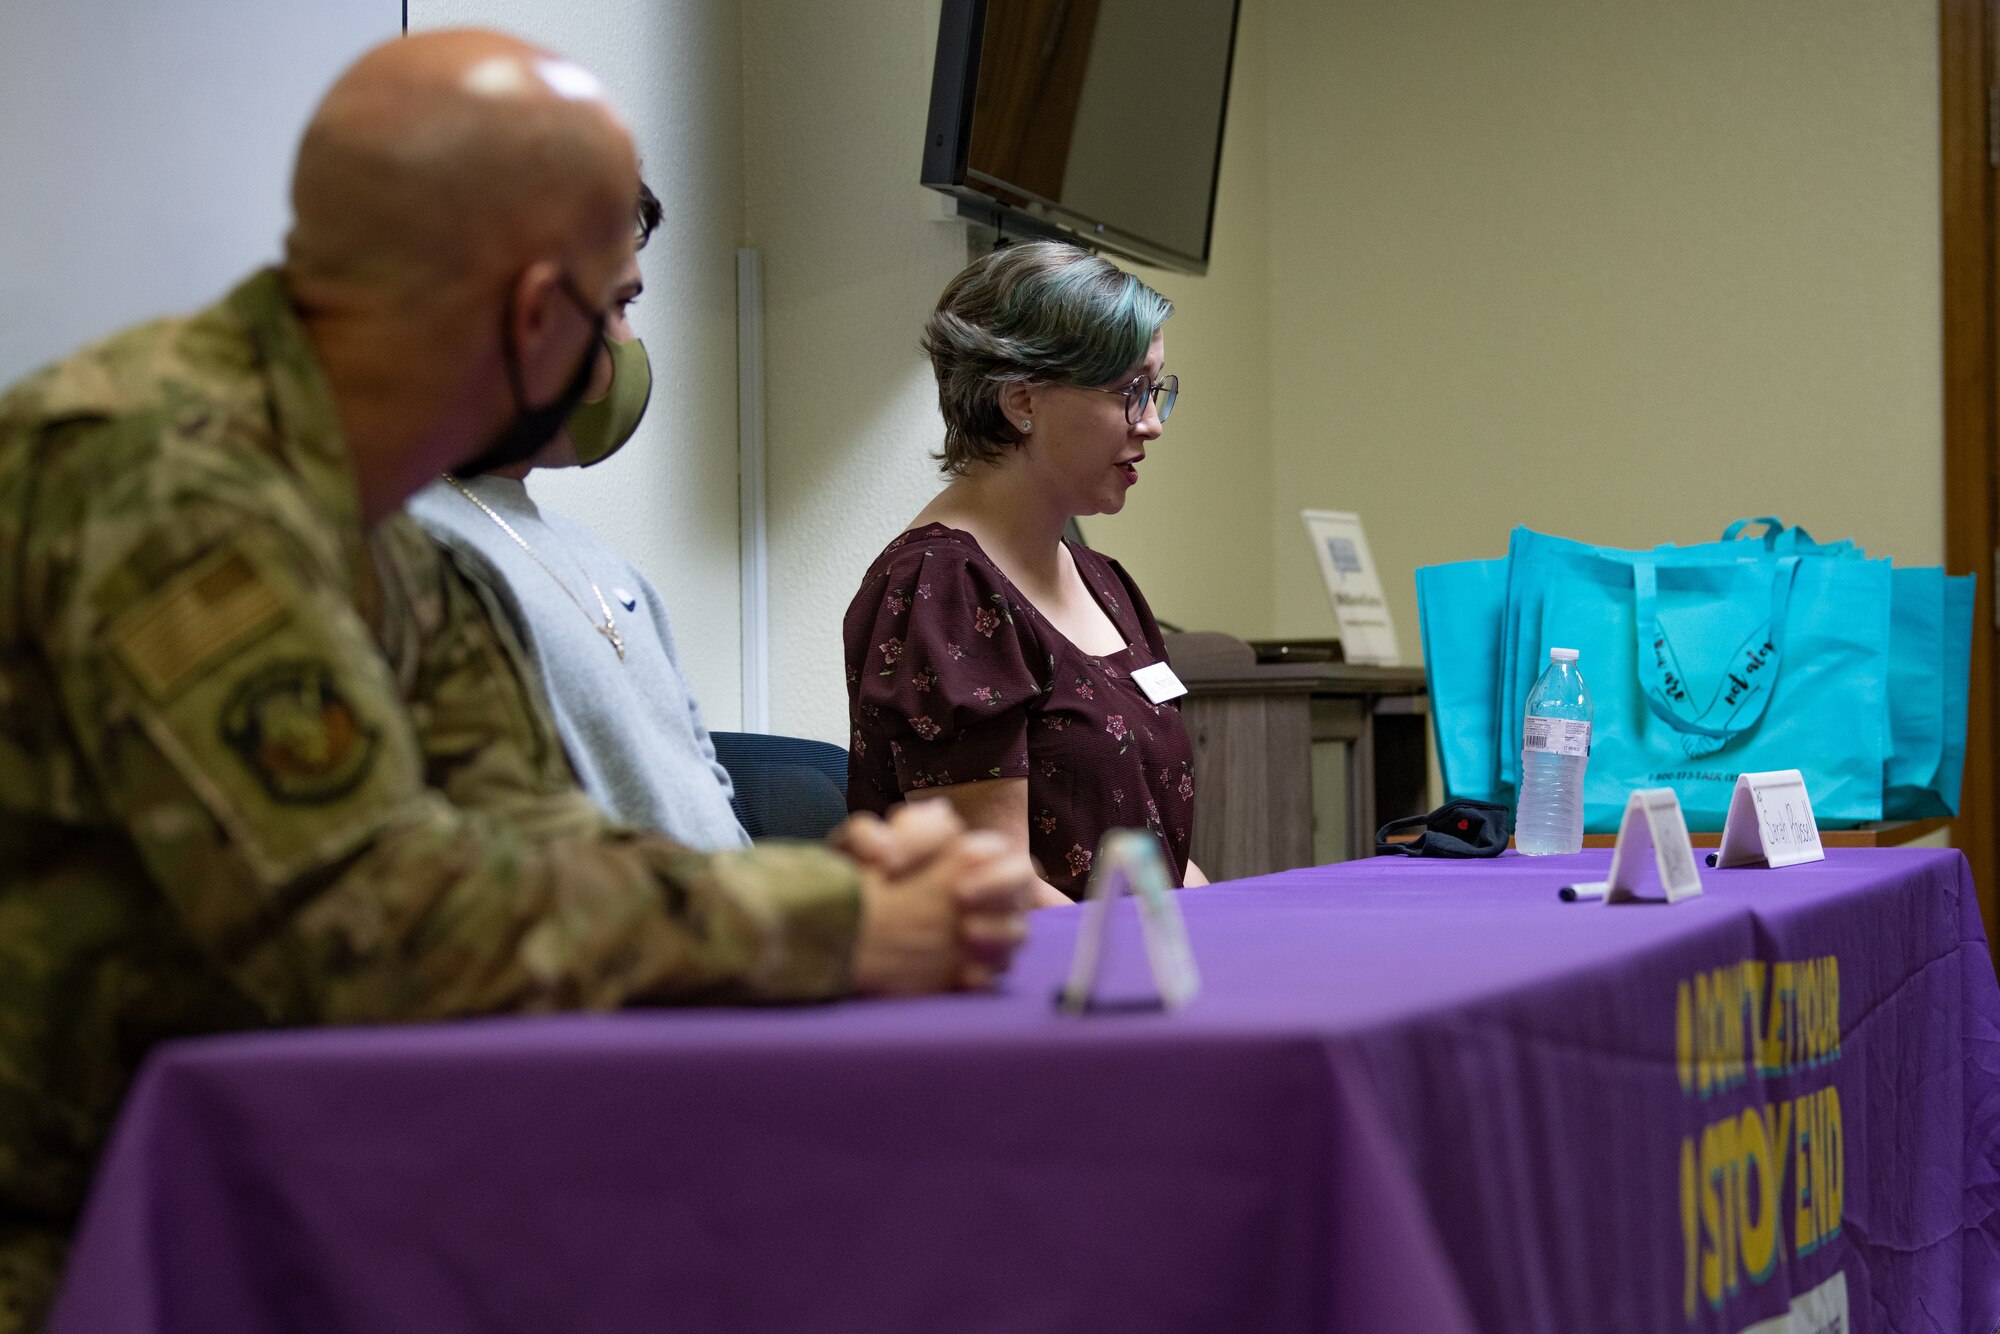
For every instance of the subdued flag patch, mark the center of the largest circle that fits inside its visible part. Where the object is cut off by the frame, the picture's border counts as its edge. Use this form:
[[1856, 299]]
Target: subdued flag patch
[[201, 614]]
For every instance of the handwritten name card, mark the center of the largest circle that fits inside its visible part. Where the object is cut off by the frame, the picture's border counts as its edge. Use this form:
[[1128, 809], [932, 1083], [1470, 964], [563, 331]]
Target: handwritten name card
[[1770, 821]]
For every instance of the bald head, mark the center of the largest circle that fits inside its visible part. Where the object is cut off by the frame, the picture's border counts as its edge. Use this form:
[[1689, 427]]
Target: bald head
[[445, 160], [464, 204]]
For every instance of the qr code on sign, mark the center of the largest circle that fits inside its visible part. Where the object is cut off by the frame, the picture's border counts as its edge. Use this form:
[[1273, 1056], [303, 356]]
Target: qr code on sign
[[1346, 559]]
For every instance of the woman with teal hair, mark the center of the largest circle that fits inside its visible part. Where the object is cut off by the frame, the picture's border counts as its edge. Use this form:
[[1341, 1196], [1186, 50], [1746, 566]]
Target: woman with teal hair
[[989, 660]]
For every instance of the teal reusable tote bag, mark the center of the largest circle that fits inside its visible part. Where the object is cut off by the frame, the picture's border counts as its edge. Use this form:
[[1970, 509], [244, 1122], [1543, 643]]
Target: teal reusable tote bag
[[1930, 664], [1458, 612], [1930, 647], [1959, 607], [1916, 692], [1702, 670], [1529, 562]]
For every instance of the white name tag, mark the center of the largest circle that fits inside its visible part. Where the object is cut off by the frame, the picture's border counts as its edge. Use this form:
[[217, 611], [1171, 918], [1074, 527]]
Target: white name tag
[[1770, 821], [1159, 683]]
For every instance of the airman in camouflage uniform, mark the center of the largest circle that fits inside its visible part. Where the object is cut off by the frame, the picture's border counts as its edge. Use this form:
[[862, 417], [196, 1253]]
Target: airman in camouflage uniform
[[263, 763]]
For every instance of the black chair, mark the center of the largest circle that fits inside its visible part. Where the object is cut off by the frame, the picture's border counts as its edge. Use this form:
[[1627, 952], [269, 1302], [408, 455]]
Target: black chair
[[786, 786]]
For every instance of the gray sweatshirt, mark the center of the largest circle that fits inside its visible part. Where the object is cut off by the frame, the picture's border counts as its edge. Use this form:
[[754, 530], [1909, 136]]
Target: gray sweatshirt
[[632, 730]]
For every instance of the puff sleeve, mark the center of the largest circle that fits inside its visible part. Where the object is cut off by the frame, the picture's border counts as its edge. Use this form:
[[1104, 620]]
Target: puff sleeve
[[946, 669]]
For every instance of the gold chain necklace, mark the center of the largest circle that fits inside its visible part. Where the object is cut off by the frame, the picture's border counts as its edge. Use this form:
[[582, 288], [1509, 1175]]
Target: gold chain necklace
[[609, 627]]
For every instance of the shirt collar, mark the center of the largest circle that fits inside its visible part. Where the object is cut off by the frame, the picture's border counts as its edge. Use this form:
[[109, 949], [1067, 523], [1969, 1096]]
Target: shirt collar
[[306, 425]]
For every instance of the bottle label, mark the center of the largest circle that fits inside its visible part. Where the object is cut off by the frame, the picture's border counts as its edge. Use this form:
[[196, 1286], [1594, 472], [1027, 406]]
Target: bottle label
[[1555, 736]]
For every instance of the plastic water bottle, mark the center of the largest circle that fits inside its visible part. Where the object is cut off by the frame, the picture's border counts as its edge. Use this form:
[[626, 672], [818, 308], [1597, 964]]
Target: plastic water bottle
[[1555, 748]]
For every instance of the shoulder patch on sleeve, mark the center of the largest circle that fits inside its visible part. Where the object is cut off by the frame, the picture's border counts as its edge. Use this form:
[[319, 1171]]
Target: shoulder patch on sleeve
[[292, 727], [202, 613]]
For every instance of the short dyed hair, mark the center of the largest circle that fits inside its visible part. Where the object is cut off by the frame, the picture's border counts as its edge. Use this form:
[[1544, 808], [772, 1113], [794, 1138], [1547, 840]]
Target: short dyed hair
[[1034, 312]]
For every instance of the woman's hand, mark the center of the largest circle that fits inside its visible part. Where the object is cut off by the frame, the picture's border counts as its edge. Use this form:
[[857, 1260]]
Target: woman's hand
[[1001, 805]]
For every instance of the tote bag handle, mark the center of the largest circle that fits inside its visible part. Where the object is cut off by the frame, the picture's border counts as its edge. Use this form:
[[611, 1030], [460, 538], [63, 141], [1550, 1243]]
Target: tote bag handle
[[1667, 691], [1773, 525], [1777, 537]]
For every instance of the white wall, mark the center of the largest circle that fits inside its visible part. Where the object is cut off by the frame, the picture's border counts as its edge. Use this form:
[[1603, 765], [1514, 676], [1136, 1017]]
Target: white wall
[[855, 254], [667, 501], [147, 153]]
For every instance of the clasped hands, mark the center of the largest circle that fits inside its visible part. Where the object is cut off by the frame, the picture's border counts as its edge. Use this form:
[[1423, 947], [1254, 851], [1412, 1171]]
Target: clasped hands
[[943, 908]]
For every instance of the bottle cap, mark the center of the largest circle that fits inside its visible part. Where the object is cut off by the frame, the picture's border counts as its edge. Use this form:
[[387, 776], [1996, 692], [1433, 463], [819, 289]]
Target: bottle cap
[[1562, 655]]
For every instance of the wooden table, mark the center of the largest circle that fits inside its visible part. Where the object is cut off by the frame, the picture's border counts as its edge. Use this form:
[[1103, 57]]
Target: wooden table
[[1882, 834], [1254, 725]]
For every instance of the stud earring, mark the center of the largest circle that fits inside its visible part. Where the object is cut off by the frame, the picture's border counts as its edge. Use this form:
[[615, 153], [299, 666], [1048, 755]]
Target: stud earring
[[1027, 426]]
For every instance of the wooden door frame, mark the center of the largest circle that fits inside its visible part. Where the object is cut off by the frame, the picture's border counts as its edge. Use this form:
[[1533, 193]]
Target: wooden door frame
[[1968, 146]]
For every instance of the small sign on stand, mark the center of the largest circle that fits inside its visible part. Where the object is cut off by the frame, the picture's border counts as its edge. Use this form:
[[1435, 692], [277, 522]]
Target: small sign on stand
[[1130, 860], [1653, 834], [1354, 586], [1770, 822]]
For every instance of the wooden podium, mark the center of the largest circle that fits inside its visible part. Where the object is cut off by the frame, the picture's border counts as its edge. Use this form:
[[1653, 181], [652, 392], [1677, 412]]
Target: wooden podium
[[1255, 725]]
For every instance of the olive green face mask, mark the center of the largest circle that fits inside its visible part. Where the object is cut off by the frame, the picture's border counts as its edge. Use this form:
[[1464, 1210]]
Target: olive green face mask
[[598, 429]]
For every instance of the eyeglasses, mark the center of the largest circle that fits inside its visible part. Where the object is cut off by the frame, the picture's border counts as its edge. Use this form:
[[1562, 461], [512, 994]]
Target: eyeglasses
[[1162, 391]]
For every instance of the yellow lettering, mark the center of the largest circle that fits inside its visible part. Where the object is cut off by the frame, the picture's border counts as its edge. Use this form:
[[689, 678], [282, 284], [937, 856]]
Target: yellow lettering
[[1809, 995], [1808, 1039], [1725, 1012], [1778, 1035], [1759, 1233], [1802, 1016], [1718, 1031], [1729, 1169], [1739, 1068], [1805, 1232], [1777, 1134], [1819, 1164], [1718, 1025], [1768, 1019], [1754, 973]]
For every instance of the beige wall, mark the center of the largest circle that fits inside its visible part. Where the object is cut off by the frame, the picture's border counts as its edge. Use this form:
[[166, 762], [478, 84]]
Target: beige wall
[[1195, 532], [1620, 271], [1616, 270]]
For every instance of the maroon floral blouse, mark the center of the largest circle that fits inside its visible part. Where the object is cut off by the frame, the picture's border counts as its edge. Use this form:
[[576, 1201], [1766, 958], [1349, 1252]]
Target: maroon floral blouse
[[954, 677]]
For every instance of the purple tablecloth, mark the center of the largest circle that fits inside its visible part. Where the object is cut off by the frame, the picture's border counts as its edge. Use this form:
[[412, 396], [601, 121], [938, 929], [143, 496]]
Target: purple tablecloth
[[1413, 1097]]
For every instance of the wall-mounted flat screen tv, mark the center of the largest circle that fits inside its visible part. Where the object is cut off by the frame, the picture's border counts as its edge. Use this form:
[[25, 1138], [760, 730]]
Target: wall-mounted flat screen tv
[[1102, 118]]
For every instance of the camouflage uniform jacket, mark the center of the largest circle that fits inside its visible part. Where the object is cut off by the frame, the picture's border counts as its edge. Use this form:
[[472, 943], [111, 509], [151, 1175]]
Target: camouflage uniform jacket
[[260, 767]]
